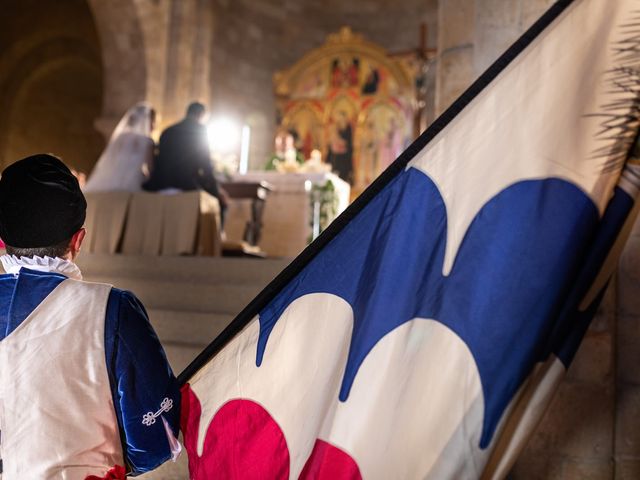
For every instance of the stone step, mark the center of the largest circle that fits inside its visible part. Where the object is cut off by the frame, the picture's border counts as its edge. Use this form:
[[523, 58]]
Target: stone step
[[170, 470], [184, 295], [180, 356], [180, 268], [191, 328], [185, 334]]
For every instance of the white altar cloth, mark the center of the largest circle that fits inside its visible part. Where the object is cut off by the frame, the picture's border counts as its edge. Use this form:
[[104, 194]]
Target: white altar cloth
[[287, 214]]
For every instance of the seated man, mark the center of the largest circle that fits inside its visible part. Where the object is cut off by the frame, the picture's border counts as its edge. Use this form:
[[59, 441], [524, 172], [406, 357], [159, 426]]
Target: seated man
[[85, 388], [184, 158]]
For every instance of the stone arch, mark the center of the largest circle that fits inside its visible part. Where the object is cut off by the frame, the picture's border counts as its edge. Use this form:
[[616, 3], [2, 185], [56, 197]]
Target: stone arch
[[50, 81], [70, 133]]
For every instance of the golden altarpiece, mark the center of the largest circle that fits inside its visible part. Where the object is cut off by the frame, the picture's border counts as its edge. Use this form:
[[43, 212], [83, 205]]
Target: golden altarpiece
[[353, 102]]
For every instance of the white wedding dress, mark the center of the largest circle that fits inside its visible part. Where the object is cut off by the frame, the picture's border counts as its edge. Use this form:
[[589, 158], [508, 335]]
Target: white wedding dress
[[121, 167]]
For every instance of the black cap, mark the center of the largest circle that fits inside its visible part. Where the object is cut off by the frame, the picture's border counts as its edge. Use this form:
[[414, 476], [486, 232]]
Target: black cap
[[41, 203]]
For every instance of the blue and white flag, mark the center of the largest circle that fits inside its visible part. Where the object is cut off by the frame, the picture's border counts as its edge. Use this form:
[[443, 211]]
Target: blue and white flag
[[423, 333]]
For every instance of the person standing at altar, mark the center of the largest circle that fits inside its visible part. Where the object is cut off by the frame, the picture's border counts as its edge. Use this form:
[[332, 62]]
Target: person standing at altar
[[127, 158], [85, 387], [340, 154], [184, 158]]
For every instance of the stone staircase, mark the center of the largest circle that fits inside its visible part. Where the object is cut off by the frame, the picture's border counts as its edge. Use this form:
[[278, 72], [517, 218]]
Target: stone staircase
[[189, 301]]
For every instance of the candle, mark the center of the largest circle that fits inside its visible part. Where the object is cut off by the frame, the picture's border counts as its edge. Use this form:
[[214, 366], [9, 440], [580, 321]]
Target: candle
[[244, 149]]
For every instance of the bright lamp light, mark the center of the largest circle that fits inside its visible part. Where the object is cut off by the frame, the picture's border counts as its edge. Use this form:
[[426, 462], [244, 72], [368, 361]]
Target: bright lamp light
[[223, 134]]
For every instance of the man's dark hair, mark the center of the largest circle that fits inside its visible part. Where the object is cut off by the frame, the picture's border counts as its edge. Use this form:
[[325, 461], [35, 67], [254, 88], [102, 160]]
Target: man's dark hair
[[195, 110], [58, 250]]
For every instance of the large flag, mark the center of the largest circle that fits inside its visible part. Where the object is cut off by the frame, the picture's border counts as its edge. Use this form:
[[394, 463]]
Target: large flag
[[422, 335]]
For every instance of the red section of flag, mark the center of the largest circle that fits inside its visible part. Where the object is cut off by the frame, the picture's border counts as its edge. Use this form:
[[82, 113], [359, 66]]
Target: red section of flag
[[328, 462], [242, 441], [118, 472]]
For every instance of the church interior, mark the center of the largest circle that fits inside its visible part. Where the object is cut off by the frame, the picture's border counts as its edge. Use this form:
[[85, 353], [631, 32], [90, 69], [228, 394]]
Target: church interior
[[307, 102]]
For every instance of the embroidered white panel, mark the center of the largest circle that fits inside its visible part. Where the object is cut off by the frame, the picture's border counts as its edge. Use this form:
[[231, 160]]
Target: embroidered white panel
[[57, 416]]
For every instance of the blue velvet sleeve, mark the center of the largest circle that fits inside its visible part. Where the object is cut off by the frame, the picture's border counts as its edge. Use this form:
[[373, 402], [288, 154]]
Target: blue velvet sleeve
[[143, 386]]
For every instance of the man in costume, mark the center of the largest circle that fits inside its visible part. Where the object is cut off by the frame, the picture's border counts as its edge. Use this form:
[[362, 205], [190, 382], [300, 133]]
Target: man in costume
[[85, 388], [184, 158]]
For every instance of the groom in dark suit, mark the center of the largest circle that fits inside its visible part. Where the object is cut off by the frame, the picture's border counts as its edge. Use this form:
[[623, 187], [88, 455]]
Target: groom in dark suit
[[184, 159]]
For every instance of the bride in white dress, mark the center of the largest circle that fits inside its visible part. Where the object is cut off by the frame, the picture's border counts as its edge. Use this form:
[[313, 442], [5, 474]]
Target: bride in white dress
[[126, 160]]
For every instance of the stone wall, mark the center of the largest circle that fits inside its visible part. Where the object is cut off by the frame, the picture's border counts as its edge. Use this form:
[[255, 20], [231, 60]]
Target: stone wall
[[626, 358], [472, 34], [455, 70], [50, 81]]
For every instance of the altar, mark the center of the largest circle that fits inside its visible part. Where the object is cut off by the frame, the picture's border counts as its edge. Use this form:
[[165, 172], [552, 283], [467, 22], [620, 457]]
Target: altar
[[296, 210]]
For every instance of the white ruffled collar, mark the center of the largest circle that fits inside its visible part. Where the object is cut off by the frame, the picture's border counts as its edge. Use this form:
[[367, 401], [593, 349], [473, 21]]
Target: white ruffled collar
[[13, 264]]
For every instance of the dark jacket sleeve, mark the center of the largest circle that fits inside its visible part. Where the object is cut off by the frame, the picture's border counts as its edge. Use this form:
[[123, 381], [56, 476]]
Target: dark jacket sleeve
[[143, 387]]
